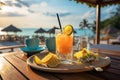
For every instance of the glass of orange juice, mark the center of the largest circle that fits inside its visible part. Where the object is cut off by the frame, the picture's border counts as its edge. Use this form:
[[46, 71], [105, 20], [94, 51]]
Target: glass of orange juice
[[64, 46]]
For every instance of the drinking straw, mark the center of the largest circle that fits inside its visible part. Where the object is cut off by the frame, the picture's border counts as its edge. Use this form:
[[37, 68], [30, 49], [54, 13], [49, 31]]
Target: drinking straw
[[59, 22]]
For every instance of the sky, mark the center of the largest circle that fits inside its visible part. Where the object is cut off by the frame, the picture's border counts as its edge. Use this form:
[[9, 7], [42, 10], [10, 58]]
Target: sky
[[42, 13]]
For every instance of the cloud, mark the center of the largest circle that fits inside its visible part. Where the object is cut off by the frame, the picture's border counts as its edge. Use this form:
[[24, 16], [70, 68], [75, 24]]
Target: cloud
[[89, 15], [23, 3], [64, 14], [17, 3], [15, 8], [107, 12], [43, 4], [31, 11], [12, 11], [10, 14]]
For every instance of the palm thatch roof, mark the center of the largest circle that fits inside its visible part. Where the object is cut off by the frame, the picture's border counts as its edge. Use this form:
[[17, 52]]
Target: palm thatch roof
[[93, 3], [11, 28], [109, 30], [40, 30], [52, 30]]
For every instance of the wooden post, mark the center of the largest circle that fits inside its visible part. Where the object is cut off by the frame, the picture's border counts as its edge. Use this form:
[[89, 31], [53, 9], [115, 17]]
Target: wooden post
[[98, 10]]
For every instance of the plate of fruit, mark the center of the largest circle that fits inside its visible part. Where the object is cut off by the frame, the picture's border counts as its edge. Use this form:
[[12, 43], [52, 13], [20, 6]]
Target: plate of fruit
[[50, 62]]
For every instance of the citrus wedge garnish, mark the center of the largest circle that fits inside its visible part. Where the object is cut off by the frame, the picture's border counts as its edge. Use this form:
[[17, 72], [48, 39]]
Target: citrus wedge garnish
[[68, 29], [47, 58], [51, 60], [37, 60], [54, 61]]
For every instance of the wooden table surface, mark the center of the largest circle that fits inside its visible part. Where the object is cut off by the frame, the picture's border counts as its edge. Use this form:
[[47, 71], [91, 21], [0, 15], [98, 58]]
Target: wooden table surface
[[13, 66]]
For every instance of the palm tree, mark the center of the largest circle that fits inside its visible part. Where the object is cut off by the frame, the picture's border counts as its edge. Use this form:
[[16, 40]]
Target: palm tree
[[94, 27], [84, 24]]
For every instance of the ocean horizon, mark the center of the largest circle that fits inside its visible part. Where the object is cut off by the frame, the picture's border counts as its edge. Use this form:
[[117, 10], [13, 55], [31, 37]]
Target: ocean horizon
[[30, 32]]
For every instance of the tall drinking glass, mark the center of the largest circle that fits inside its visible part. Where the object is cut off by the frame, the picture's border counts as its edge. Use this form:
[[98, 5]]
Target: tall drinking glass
[[64, 47], [83, 42]]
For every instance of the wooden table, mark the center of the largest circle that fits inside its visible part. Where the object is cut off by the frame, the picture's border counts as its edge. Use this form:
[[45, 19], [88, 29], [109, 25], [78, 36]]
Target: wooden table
[[13, 66]]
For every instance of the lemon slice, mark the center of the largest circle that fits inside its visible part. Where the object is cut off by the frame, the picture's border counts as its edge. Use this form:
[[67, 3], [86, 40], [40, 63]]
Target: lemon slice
[[37, 60], [68, 29], [53, 62], [50, 60], [47, 58]]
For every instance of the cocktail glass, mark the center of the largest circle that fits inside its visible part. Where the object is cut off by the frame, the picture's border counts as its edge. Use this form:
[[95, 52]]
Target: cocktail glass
[[64, 47]]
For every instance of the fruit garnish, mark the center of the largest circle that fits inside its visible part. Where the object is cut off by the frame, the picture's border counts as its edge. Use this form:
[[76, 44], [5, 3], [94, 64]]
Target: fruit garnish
[[47, 58], [68, 29], [37, 60], [50, 60], [86, 56], [53, 62]]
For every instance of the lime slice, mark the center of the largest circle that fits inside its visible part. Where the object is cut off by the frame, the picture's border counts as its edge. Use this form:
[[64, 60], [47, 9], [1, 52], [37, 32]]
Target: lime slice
[[37, 60], [68, 29]]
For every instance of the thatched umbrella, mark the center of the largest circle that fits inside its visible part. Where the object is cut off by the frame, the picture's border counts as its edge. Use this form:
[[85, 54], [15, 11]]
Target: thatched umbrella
[[98, 4], [109, 30], [40, 30], [52, 30], [11, 28]]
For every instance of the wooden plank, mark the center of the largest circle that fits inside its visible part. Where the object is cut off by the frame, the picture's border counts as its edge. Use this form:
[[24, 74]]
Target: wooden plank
[[115, 61], [115, 58], [78, 76], [111, 52], [115, 66], [114, 71], [26, 70], [8, 72], [106, 75], [22, 56]]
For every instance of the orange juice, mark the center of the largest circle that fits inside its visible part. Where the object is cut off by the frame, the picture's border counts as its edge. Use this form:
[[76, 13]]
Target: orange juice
[[64, 43]]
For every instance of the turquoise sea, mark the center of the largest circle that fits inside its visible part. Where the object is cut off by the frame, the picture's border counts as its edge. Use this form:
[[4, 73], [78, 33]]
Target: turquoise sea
[[30, 32]]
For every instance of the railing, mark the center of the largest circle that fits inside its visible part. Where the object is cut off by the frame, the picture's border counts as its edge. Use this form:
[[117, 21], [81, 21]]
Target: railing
[[11, 47], [15, 46]]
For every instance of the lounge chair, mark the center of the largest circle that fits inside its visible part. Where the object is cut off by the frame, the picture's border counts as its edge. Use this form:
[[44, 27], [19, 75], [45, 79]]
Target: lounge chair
[[116, 42]]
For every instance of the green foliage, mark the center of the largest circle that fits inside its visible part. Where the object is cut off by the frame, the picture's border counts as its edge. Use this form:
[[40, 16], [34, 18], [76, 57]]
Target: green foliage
[[113, 20]]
